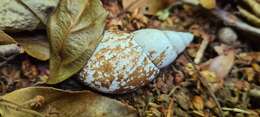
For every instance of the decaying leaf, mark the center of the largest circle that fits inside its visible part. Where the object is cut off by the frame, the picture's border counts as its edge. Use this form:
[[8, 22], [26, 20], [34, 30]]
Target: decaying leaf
[[222, 64], [249, 56], [16, 17], [36, 45], [53, 102], [198, 103], [209, 75], [74, 30], [208, 4], [5, 38], [249, 73], [150, 7]]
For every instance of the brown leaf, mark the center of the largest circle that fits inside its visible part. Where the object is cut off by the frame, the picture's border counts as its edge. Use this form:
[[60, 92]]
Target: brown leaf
[[208, 4], [74, 30], [55, 102], [150, 7], [36, 45], [198, 103], [36, 7], [5, 38], [250, 56]]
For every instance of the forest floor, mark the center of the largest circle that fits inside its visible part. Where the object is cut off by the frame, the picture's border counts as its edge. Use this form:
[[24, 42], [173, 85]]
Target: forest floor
[[218, 74]]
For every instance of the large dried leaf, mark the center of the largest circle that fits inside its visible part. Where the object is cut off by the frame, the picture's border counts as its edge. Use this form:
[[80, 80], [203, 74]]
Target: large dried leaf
[[74, 30], [36, 45], [37, 8], [16, 17], [54, 102], [5, 38]]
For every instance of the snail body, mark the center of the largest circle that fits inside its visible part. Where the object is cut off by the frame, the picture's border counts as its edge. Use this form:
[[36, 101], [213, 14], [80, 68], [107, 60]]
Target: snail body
[[123, 62]]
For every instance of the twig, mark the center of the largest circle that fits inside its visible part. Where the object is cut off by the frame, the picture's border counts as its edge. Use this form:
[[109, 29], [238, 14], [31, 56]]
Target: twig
[[170, 109], [205, 84], [201, 51], [232, 20], [237, 110]]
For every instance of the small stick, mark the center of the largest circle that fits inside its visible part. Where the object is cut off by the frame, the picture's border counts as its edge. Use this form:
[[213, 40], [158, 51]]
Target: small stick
[[237, 110], [201, 51], [232, 20], [170, 109]]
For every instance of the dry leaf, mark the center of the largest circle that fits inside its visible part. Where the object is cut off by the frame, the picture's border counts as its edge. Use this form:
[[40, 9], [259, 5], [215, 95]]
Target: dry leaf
[[53, 102], [222, 64], [209, 75], [150, 7], [208, 4], [74, 29], [5, 38], [36, 45], [15, 17], [249, 73], [256, 67], [36, 7], [198, 102], [250, 56]]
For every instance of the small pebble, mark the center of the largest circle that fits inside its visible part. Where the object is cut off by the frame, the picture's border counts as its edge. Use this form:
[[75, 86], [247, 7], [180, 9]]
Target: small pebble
[[227, 35]]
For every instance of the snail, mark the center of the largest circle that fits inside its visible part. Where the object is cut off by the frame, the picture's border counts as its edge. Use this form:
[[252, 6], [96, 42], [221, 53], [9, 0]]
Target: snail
[[122, 62]]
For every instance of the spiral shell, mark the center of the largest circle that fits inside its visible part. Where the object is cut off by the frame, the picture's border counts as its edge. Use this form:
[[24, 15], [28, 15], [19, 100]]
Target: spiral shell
[[123, 62]]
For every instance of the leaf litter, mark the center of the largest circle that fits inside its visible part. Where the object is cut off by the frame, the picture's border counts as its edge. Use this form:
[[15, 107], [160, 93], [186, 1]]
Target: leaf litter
[[232, 71]]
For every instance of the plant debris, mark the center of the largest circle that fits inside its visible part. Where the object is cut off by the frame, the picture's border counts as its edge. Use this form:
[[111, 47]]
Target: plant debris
[[217, 76]]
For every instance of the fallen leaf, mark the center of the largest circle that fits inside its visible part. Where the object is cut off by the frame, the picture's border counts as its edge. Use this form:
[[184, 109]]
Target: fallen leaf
[[36, 7], [222, 64], [198, 103], [208, 4], [36, 45], [250, 56], [150, 7], [249, 73], [15, 17], [256, 67], [74, 30], [55, 102], [209, 75], [5, 38]]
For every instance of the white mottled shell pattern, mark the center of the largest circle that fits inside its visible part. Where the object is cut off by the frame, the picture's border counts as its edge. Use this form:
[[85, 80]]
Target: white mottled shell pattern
[[123, 62], [118, 65]]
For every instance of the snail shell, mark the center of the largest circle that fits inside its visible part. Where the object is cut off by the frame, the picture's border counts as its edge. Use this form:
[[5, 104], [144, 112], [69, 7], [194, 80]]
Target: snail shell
[[123, 62]]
